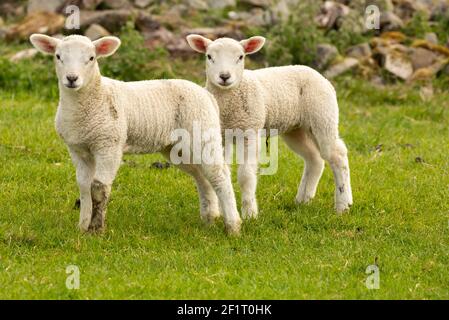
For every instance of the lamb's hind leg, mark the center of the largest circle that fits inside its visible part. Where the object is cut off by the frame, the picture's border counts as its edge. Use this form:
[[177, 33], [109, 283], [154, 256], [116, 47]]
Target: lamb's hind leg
[[333, 150], [302, 144], [209, 208]]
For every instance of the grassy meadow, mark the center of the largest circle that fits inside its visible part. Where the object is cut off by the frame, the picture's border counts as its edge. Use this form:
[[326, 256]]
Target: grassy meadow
[[156, 246]]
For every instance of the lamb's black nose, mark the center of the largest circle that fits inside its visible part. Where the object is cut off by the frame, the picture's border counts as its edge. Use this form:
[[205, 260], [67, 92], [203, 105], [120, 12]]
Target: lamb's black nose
[[72, 78], [225, 76]]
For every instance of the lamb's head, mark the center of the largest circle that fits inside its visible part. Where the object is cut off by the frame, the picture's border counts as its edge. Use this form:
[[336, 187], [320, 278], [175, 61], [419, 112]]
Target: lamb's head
[[75, 57], [225, 57]]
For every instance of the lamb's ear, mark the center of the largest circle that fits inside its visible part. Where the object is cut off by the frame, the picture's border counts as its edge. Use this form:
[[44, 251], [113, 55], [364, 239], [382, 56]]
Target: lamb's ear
[[44, 43], [106, 46], [198, 43], [252, 44]]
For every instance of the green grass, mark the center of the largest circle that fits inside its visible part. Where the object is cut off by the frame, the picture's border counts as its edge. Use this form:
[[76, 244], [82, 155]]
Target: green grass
[[156, 247]]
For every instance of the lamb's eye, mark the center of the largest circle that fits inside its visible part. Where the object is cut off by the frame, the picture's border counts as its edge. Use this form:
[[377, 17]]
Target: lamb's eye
[[241, 57], [91, 59], [58, 57], [209, 57]]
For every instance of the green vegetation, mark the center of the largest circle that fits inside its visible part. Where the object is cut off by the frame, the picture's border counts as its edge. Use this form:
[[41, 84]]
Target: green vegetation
[[156, 246]]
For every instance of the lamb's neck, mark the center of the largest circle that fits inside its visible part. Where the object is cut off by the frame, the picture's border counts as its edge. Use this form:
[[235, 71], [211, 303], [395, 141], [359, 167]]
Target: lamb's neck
[[81, 99]]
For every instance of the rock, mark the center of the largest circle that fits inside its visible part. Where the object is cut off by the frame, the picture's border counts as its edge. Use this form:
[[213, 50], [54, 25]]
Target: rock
[[44, 6], [389, 21], [428, 73], [359, 51], [146, 23], [24, 54], [398, 64], [431, 37], [142, 3], [37, 22], [116, 4], [422, 58], [405, 9], [11, 9], [325, 54], [176, 46], [330, 14], [214, 33], [173, 18], [257, 17], [91, 4], [221, 4], [432, 47], [95, 31], [112, 20], [158, 38], [341, 67], [257, 3], [197, 4]]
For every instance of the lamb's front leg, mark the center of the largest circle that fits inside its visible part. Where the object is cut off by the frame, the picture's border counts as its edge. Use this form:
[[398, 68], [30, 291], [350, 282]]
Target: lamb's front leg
[[107, 162], [247, 178], [85, 169]]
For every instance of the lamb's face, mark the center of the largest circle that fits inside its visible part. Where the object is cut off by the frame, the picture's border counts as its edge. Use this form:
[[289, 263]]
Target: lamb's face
[[75, 63], [225, 58], [225, 63], [75, 57]]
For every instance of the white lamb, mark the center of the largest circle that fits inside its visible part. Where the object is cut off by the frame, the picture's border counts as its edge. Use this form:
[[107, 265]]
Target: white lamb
[[296, 100], [99, 119]]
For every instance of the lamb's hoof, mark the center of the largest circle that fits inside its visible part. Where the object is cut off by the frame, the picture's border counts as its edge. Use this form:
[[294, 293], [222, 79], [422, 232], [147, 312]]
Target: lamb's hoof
[[96, 226], [233, 229], [250, 211], [83, 226], [303, 200], [342, 208], [210, 218]]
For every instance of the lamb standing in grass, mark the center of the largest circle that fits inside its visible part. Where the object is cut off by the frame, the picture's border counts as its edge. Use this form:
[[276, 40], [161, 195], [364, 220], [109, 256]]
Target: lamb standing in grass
[[296, 100], [99, 119]]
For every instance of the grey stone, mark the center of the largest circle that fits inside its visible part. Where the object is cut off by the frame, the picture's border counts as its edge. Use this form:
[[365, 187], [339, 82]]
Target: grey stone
[[91, 4], [142, 3], [221, 4], [330, 13], [389, 21], [359, 51], [197, 4], [112, 20], [258, 3], [340, 68], [422, 58], [117, 4], [398, 64], [96, 31], [325, 54], [44, 6]]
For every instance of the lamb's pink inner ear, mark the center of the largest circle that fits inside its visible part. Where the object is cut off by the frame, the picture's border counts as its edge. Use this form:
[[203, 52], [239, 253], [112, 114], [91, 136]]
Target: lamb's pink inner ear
[[104, 47], [252, 45], [47, 46], [199, 44]]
